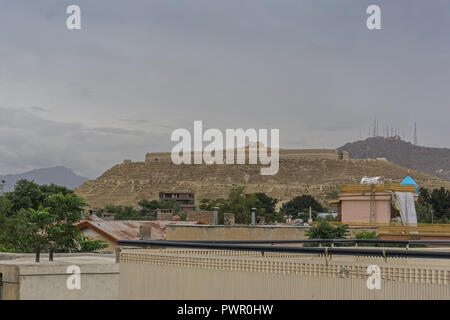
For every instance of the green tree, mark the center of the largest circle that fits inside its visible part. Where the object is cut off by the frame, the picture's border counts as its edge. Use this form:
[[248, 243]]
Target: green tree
[[39, 222], [123, 212], [148, 207], [33, 214], [209, 204], [267, 203], [14, 234], [438, 200], [301, 204], [241, 205], [55, 189], [26, 195], [425, 212], [171, 204], [237, 202]]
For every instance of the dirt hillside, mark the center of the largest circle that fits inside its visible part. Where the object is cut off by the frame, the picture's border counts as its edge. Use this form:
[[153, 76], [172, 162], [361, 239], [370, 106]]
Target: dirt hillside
[[129, 182]]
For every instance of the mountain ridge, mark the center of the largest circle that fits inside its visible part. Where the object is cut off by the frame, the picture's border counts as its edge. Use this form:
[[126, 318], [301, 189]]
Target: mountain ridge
[[59, 175], [434, 161]]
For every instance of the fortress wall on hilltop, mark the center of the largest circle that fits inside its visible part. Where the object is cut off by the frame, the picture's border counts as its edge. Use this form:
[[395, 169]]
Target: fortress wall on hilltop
[[330, 154]]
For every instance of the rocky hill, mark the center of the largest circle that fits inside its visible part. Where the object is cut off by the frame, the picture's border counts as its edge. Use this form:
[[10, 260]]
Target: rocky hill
[[129, 182], [434, 161], [59, 175]]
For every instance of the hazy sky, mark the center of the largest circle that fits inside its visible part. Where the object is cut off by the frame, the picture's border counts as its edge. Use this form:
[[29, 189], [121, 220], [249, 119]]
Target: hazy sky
[[89, 98]]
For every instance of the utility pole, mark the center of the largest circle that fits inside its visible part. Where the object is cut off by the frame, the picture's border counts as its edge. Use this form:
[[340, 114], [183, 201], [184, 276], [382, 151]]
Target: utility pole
[[310, 216], [375, 127]]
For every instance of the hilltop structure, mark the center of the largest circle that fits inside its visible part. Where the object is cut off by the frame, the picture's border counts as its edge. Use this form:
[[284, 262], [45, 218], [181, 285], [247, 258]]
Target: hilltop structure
[[318, 172]]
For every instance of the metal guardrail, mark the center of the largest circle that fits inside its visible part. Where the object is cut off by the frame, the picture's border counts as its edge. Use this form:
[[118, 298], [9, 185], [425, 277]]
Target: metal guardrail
[[356, 241], [327, 251]]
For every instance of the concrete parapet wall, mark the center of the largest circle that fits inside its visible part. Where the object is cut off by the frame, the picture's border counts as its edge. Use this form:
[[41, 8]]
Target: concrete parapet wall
[[193, 274], [207, 232], [25, 279]]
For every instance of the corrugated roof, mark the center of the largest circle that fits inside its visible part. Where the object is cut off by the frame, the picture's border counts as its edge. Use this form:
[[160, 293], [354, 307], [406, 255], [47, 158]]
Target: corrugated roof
[[129, 229]]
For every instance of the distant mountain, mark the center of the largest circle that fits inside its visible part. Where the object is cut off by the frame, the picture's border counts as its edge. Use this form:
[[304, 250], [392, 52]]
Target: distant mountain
[[434, 161], [60, 175]]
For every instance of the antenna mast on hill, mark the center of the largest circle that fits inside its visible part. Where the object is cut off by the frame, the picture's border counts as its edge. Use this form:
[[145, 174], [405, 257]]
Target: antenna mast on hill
[[375, 127], [415, 133]]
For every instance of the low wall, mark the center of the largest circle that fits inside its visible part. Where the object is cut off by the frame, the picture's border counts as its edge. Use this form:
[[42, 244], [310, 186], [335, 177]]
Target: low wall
[[201, 274], [201, 216], [24, 279], [242, 232]]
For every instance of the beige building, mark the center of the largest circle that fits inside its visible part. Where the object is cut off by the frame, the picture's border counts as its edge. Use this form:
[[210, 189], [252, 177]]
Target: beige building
[[184, 199]]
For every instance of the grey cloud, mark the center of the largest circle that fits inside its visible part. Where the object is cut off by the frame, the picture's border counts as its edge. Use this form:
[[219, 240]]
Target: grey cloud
[[134, 120], [309, 68], [39, 109], [118, 131], [28, 141]]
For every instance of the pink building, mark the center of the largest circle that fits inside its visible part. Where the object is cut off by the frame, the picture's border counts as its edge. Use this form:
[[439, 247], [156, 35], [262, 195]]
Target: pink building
[[359, 203]]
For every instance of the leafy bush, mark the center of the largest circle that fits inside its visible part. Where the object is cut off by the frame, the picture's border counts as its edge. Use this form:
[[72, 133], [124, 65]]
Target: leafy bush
[[326, 231], [368, 236]]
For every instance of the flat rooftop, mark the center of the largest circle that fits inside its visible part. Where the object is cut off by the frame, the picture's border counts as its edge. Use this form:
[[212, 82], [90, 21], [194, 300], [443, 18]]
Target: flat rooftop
[[58, 259]]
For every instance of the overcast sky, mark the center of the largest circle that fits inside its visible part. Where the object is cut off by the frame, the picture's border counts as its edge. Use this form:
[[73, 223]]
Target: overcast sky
[[117, 88]]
